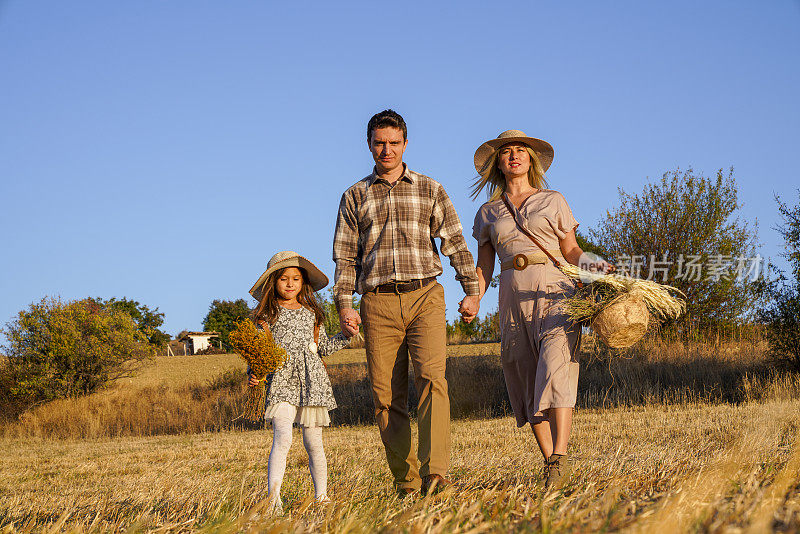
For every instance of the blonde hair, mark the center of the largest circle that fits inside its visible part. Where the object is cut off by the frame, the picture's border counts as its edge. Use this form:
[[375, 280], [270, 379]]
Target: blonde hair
[[494, 181]]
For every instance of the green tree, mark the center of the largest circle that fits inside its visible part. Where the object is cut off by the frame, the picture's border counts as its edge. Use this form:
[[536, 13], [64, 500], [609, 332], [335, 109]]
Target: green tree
[[64, 349], [685, 230], [490, 327], [328, 304], [466, 331], [223, 315], [781, 314], [146, 319], [486, 329], [587, 245]]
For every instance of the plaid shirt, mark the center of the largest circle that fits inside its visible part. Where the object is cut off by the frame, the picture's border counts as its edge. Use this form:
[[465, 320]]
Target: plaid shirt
[[385, 232]]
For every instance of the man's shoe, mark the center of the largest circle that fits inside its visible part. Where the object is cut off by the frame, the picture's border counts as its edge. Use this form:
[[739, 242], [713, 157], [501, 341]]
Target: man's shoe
[[432, 484], [402, 493]]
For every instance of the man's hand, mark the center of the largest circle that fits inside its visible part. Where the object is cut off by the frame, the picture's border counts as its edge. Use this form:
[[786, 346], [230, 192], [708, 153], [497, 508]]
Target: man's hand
[[252, 381], [469, 307], [349, 319]]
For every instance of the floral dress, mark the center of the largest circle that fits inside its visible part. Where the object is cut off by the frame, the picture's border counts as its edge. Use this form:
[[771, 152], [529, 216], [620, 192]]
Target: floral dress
[[302, 381]]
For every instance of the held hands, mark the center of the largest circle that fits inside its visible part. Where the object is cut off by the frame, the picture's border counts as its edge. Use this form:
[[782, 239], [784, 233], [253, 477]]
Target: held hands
[[253, 381], [349, 319], [469, 307]]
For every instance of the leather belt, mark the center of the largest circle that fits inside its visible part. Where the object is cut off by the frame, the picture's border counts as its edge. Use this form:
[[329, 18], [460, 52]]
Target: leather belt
[[520, 261], [404, 287]]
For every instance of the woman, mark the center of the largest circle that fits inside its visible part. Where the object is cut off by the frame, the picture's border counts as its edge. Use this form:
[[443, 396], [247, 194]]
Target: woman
[[538, 342]]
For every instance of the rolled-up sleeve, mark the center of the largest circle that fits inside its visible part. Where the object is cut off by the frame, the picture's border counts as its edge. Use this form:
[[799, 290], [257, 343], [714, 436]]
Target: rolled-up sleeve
[[562, 222], [446, 226]]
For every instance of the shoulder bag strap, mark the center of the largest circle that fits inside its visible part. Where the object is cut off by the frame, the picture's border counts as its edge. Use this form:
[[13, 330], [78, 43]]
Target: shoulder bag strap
[[525, 231]]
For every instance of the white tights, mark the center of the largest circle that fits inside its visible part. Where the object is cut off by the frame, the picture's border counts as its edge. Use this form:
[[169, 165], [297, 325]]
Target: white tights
[[282, 441]]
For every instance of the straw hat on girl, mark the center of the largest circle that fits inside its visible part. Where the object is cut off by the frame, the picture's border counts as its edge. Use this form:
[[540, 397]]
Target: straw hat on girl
[[289, 258]]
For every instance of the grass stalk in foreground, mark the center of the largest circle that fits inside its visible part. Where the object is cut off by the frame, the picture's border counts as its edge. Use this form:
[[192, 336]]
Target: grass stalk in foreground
[[705, 468]]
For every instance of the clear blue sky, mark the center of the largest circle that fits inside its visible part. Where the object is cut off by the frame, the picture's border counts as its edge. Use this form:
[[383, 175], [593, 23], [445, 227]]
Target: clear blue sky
[[163, 151]]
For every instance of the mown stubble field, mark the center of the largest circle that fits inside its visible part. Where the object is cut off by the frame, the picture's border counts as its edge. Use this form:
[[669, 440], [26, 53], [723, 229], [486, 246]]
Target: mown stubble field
[[683, 467]]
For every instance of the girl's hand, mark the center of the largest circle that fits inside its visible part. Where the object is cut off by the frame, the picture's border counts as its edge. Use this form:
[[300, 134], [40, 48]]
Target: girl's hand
[[253, 381]]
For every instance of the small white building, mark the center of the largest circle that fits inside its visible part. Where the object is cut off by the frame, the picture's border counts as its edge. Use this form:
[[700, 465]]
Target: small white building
[[194, 342]]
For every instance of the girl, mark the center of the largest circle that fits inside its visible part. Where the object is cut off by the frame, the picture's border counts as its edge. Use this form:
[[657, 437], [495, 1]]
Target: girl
[[300, 391]]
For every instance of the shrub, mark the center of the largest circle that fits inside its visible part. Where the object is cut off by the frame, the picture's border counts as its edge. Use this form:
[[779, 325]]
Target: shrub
[[479, 330], [57, 350], [782, 319], [686, 230], [148, 321], [211, 349], [781, 314]]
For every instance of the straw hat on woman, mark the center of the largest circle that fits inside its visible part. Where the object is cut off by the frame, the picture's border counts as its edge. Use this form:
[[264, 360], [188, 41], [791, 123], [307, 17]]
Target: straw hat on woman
[[538, 341]]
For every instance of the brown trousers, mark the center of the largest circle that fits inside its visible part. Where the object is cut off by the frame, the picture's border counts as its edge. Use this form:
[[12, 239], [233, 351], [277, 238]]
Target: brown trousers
[[397, 326]]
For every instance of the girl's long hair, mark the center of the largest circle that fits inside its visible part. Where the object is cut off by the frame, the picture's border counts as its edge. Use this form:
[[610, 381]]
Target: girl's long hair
[[268, 308], [491, 178]]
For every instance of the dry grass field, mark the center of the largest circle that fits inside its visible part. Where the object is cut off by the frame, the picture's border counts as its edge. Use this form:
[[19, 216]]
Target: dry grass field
[[692, 439], [186, 370]]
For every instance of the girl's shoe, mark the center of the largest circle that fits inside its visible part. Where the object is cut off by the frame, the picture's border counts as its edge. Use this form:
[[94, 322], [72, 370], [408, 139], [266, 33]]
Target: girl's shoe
[[275, 506], [323, 499]]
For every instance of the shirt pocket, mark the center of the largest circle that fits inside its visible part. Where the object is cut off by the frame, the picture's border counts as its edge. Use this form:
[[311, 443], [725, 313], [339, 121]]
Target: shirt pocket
[[367, 214]]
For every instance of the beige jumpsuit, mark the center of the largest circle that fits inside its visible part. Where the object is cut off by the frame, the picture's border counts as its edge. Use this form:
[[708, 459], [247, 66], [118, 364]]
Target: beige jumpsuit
[[537, 337]]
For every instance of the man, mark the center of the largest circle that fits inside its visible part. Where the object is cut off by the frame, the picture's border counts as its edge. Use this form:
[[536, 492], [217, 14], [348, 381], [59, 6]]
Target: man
[[384, 249]]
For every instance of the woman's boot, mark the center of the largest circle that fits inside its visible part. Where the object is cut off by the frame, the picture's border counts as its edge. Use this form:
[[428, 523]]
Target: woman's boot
[[556, 467]]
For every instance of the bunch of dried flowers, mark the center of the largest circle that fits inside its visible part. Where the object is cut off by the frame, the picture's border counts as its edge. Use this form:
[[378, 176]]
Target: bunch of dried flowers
[[263, 356]]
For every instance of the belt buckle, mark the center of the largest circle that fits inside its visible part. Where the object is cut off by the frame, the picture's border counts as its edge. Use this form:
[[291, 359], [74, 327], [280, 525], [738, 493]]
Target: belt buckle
[[396, 286], [521, 261]]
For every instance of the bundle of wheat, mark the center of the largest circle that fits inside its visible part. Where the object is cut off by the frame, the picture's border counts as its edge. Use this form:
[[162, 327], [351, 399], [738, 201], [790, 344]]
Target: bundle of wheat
[[620, 308], [263, 356]]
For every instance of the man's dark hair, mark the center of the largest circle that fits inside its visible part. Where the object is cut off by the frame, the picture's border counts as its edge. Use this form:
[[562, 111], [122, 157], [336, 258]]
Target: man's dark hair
[[386, 119]]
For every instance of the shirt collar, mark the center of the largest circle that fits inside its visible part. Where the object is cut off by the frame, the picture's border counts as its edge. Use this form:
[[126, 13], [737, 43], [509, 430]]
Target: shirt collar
[[406, 176]]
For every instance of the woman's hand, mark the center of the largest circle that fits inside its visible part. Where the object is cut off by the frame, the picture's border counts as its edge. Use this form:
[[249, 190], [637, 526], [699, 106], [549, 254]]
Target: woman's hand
[[606, 268], [252, 381], [576, 256]]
